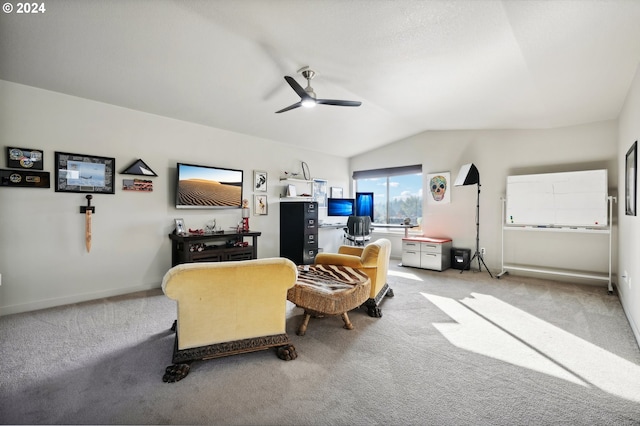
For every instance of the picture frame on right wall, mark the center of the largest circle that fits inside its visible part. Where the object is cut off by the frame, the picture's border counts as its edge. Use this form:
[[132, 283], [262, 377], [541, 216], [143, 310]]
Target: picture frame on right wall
[[631, 179]]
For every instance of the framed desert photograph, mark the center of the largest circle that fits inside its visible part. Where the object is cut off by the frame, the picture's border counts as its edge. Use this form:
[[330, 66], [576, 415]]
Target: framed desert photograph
[[259, 181], [84, 173]]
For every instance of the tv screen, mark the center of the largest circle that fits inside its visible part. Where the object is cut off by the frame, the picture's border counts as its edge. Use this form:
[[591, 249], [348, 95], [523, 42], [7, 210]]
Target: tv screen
[[340, 207], [204, 187], [364, 204]]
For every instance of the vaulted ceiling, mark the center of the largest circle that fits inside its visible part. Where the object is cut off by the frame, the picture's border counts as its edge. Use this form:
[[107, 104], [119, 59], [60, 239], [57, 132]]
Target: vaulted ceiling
[[414, 65]]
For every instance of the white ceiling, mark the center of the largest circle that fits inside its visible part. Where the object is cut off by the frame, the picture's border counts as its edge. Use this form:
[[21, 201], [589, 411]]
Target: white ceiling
[[415, 65]]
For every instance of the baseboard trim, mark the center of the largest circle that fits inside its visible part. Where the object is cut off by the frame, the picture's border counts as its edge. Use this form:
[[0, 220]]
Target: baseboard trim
[[634, 326], [71, 299]]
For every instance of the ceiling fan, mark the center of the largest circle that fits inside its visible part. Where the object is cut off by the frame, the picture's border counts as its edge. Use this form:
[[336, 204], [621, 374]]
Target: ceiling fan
[[308, 96]]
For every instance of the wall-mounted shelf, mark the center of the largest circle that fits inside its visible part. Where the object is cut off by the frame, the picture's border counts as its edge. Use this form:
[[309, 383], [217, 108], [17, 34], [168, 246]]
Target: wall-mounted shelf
[[302, 186]]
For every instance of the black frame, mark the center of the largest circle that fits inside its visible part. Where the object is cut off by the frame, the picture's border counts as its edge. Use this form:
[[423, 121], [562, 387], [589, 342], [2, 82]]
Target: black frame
[[65, 183], [17, 158], [631, 179], [25, 178]]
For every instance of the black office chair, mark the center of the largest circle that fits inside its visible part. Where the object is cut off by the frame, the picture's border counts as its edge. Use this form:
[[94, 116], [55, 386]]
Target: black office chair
[[358, 230]]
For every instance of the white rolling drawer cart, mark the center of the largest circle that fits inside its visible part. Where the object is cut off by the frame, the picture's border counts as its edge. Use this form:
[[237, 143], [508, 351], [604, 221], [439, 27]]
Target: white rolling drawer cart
[[426, 253]]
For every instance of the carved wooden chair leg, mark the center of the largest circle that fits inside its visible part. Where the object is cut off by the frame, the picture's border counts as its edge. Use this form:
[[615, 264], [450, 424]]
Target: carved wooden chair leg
[[303, 326], [176, 372], [287, 352], [347, 322]]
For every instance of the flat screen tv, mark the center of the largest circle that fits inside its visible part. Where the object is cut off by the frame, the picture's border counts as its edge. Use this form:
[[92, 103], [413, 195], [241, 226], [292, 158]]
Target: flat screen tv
[[341, 207], [205, 187], [364, 204]]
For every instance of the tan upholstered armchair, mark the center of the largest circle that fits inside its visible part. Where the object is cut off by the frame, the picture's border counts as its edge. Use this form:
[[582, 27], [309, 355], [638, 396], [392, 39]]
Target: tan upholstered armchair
[[373, 259], [229, 308]]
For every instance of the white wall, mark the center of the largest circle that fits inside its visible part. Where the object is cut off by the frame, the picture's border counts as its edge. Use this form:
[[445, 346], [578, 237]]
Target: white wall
[[43, 260], [498, 154], [629, 288]]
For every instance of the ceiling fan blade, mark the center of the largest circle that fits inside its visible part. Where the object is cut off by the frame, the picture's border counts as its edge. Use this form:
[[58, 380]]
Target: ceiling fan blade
[[296, 105], [297, 88], [338, 103]]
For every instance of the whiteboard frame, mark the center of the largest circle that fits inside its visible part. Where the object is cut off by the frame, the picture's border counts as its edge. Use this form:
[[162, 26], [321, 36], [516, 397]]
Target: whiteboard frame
[[574, 199]]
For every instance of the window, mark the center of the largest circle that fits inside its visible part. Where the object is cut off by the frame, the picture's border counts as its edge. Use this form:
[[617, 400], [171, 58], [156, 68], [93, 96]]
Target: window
[[397, 193]]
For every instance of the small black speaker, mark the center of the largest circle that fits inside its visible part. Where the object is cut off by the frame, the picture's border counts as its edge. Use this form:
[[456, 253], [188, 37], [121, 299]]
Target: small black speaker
[[460, 258]]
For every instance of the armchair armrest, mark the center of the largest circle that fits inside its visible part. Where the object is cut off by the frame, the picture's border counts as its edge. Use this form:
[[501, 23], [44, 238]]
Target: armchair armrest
[[351, 250], [338, 259]]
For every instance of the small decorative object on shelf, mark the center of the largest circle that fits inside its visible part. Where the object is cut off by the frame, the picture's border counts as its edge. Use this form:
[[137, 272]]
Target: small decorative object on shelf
[[210, 227], [180, 229], [245, 215], [305, 171]]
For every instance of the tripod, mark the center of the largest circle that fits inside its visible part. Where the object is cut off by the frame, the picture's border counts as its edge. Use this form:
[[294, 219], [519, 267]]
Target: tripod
[[477, 254]]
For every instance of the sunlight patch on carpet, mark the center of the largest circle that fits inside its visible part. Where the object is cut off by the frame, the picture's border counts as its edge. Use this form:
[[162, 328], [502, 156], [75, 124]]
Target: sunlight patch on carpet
[[491, 327], [407, 275]]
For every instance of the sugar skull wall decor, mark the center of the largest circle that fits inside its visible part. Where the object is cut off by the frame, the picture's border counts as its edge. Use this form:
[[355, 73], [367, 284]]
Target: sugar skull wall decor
[[438, 188]]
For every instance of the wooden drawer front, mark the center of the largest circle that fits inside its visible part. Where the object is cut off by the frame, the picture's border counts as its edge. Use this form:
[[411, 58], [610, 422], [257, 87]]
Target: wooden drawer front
[[411, 246], [431, 261], [411, 258]]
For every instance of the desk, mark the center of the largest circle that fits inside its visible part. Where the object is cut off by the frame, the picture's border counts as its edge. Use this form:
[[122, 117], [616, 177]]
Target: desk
[[328, 290], [333, 225], [395, 225]]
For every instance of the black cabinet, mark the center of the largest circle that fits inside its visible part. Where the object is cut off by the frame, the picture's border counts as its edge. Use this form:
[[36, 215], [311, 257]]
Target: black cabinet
[[220, 247], [299, 231]]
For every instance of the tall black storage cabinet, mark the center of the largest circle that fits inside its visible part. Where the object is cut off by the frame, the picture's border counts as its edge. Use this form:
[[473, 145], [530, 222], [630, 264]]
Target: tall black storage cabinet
[[299, 231]]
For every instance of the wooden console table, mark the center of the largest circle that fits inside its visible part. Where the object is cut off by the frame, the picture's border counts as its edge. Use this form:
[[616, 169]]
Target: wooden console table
[[218, 247]]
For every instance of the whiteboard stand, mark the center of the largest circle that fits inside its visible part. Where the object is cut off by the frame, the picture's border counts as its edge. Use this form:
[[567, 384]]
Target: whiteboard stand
[[608, 230]]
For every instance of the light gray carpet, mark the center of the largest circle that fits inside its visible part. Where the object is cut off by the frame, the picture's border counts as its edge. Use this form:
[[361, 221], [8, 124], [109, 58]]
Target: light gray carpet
[[450, 349]]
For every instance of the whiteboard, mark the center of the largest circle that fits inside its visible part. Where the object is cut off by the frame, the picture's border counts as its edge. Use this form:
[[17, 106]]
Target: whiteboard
[[558, 199]]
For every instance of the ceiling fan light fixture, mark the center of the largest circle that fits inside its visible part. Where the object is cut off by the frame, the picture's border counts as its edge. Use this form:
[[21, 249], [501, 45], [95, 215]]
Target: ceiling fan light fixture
[[307, 95], [308, 103]]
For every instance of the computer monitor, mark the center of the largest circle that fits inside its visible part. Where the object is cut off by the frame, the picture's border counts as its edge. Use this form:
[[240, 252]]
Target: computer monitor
[[341, 207], [364, 204]]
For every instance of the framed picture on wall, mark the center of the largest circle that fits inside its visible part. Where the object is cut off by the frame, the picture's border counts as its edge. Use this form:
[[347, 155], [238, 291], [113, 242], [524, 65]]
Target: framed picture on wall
[[320, 192], [84, 173], [438, 184], [336, 192], [260, 205], [259, 181], [631, 179], [24, 158]]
